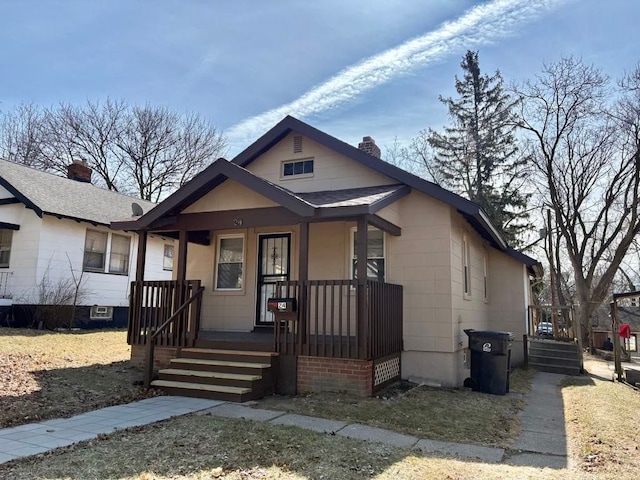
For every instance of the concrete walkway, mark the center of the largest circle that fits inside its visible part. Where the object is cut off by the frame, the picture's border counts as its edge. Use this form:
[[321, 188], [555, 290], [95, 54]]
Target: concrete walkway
[[542, 443], [543, 440]]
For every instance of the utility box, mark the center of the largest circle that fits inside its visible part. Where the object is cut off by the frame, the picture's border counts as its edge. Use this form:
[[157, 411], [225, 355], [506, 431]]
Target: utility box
[[490, 361]]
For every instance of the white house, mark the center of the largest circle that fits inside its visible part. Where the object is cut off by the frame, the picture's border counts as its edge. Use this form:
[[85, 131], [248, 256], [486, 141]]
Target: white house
[[55, 230]]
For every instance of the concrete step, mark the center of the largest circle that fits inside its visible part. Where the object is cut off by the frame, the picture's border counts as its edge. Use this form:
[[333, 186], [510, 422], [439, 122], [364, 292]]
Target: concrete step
[[213, 392], [229, 355], [221, 366], [211, 378]]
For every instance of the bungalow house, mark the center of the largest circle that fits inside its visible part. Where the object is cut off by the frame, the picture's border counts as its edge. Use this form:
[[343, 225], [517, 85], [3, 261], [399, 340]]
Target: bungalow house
[[320, 267], [55, 234]]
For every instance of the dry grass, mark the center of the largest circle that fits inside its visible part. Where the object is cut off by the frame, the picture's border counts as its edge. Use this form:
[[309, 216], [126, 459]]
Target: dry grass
[[602, 425], [47, 374], [204, 447], [453, 415]]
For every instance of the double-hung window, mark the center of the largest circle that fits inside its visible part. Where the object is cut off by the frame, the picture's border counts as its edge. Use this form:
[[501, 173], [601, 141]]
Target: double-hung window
[[230, 263], [5, 246], [375, 254], [167, 259], [97, 249], [119, 258]]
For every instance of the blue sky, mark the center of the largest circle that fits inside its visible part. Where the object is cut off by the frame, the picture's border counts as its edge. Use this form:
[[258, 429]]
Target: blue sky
[[351, 68]]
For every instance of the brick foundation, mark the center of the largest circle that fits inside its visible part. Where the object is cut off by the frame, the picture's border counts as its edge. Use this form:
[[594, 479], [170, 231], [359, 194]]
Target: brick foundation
[[161, 356], [318, 374]]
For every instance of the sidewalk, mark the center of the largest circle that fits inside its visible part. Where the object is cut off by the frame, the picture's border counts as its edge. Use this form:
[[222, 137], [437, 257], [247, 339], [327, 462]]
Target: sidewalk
[[541, 444]]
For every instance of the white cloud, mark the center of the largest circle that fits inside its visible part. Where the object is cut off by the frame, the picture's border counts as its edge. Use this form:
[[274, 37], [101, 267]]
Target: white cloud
[[478, 26]]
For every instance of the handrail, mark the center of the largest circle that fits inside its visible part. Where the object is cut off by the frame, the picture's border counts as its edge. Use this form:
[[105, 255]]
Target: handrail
[[151, 340]]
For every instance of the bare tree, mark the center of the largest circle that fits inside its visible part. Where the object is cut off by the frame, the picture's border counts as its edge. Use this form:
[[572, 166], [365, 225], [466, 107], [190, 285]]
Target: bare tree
[[22, 135], [586, 149], [162, 150], [146, 151]]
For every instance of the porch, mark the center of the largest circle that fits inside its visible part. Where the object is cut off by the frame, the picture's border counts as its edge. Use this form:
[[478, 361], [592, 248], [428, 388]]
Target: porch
[[344, 335]]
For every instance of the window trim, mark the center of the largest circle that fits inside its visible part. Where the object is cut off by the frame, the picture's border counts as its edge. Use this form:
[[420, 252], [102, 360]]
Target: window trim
[[106, 261], [103, 268], [485, 274], [10, 244], [466, 266], [353, 231], [126, 270], [219, 239], [297, 175], [164, 256]]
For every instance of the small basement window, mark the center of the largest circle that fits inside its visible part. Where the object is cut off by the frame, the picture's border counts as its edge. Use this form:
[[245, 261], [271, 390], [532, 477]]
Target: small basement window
[[101, 313], [299, 167]]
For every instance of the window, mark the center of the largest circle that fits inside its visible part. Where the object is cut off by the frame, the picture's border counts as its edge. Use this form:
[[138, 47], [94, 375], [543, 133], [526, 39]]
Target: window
[[375, 254], [101, 313], [299, 167], [95, 249], [95, 252], [466, 279], [485, 273], [167, 260], [230, 263], [5, 246], [119, 259]]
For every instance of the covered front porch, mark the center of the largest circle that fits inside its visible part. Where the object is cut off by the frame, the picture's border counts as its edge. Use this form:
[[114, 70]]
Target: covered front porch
[[344, 329]]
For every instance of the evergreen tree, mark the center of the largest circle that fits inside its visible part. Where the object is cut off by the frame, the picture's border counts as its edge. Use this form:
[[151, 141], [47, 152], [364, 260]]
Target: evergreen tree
[[477, 155]]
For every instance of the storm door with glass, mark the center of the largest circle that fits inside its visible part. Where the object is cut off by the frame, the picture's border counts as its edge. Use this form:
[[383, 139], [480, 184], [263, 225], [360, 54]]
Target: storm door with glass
[[274, 254]]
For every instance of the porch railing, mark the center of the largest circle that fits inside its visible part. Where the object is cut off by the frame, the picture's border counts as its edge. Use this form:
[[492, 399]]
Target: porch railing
[[327, 323], [152, 303]]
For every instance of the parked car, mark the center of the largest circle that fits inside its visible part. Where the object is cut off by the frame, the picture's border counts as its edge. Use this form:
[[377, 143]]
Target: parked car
[[545, 329]]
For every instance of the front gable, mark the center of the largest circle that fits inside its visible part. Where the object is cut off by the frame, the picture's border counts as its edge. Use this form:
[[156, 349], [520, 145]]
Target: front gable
[[230, 195], [332, 170]]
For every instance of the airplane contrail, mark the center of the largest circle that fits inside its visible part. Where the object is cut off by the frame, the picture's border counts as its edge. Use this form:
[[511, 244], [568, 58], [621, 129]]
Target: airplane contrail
[[477, 26]]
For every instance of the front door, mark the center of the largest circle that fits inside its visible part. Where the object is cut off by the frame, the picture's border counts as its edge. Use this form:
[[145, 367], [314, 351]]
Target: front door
[[274, 254]]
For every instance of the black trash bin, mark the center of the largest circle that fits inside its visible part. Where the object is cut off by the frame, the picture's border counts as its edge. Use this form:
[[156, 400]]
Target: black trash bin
[[490, 361]]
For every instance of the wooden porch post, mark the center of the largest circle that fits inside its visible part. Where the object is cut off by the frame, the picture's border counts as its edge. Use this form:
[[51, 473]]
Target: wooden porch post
[[181, 277], [303, 276], [362, 237], [135, 302]]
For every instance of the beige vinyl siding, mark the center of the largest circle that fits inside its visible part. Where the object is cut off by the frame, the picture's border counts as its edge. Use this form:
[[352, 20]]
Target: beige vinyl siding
[[230, 195], [332, 171]]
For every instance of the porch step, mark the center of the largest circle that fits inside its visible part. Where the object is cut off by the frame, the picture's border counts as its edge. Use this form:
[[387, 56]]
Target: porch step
[[228, 355], [214, 392], [236, 376], [555, 357], [223, 366]]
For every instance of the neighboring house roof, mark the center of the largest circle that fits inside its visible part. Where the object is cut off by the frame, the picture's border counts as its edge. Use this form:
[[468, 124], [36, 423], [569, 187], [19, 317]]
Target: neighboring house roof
[[49, 194], [306, 204]]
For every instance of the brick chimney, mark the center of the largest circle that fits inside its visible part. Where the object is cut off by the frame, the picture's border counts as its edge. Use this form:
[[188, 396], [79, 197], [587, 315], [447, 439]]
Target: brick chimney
[[79, 171], [369, 146]]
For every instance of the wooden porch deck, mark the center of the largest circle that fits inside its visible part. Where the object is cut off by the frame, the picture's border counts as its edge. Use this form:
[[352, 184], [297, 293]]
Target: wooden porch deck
[[258, 340]]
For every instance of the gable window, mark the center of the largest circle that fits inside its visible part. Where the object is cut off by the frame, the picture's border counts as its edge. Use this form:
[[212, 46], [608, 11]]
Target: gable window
[[167, 260], [96, 252], [229, 267], [375, 254], [119, 258], [299, 167], [5, 246], [466, 278], [95, 249]]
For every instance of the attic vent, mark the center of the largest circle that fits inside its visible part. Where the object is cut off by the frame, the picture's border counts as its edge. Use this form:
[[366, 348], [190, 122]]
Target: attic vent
[[297, 144]]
